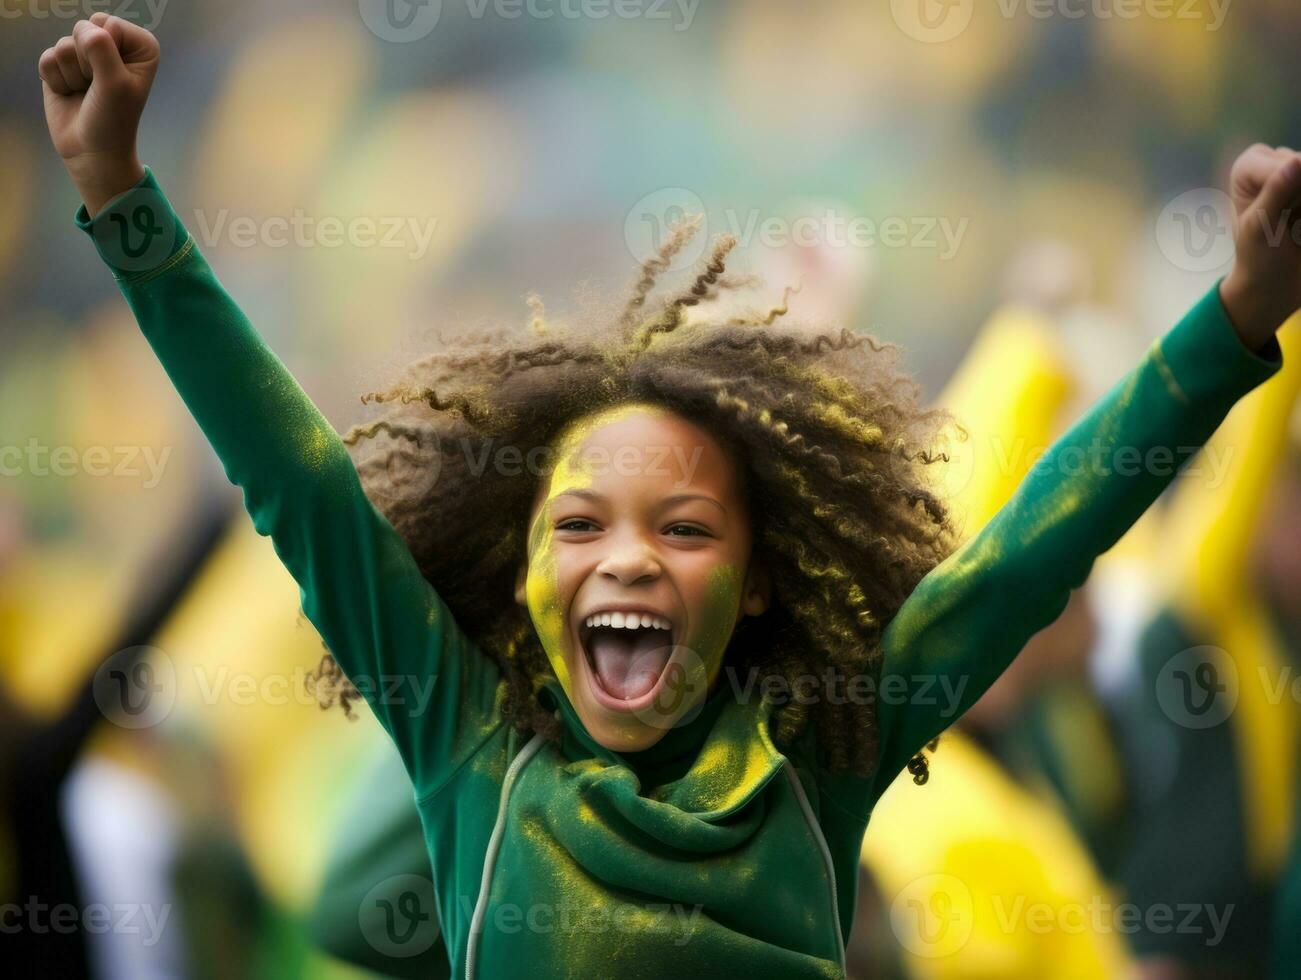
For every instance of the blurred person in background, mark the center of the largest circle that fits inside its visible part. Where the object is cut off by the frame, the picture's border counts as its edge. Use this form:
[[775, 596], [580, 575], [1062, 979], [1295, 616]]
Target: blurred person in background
[[1209, 723], [42, 820], [961, 861], [1277, 558]]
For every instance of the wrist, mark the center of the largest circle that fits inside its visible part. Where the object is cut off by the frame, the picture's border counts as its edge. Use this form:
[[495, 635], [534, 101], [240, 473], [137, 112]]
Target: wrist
[[1254, 317], [100, 177]]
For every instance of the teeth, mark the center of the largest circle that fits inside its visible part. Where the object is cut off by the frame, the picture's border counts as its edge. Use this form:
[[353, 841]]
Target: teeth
[[629, 620]]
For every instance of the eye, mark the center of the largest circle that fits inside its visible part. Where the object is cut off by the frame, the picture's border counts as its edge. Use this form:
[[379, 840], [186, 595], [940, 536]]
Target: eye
[[695, 531], [567, 525]]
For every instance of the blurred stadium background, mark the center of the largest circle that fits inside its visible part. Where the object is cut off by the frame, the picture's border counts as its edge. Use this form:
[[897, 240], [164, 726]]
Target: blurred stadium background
[[1072, 160]]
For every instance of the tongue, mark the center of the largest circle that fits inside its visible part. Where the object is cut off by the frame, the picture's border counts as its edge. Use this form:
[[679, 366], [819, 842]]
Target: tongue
[[629, 662]]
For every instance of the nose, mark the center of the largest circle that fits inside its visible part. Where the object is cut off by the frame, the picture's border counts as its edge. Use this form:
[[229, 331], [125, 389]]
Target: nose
[[631, 560]]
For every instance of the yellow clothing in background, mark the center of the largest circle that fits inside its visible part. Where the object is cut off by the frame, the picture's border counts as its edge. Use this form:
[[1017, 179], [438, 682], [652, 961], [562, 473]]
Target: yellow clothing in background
[[981, 879]]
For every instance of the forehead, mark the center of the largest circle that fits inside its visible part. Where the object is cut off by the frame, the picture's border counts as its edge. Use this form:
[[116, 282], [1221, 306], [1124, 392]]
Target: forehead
[[640, 442]]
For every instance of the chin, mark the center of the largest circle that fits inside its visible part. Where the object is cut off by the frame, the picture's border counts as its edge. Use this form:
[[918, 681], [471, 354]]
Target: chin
[[635, 724], [614, 729], [627, 736]]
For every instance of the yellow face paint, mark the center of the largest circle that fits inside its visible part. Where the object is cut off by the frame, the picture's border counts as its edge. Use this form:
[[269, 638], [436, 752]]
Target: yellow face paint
[[544, 604], [718, 616]]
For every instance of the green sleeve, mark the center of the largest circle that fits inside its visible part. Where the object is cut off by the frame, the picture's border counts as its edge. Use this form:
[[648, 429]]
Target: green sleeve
[[966, 620], [429, 686], [375, 907]]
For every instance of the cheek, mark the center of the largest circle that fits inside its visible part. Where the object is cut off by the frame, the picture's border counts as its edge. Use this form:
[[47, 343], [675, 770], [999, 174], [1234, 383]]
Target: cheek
[[716, 609], [546, 604]]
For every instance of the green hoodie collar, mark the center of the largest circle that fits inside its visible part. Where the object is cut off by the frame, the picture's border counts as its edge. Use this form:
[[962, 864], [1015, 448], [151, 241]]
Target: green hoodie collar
[[727, 750]]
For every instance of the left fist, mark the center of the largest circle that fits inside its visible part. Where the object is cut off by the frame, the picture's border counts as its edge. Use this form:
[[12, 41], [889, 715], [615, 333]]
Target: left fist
[[1264, 287]]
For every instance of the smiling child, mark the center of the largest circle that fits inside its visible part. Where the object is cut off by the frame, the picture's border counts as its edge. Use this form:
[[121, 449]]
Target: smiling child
[[750, 506]]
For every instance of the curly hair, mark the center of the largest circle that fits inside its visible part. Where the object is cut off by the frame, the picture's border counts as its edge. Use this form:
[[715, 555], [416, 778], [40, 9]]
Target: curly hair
[[828, 431]]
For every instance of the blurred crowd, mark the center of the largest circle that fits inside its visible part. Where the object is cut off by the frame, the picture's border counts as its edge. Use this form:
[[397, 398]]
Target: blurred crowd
[[1023, 198]]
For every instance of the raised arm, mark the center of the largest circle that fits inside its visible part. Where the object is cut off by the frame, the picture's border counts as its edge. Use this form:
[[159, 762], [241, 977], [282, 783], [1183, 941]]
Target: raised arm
[[973, 613], [393, 636], [965, 622]]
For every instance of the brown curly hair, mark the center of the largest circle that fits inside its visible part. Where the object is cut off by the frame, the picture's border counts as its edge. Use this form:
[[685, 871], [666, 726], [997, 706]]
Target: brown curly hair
[[828, 430]]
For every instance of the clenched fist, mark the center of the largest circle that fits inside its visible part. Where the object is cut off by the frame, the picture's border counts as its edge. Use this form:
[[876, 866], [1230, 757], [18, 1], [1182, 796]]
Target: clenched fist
[[96, 81], [1264, 287]]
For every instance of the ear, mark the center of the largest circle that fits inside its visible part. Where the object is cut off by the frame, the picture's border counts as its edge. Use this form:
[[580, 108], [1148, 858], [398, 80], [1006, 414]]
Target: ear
[[757, 592], [521, 585]]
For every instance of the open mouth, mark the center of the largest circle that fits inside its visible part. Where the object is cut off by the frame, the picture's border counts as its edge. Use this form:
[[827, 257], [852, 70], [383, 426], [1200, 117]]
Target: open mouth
[[626, 656]]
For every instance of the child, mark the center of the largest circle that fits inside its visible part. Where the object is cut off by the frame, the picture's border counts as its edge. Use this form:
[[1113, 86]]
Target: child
[[604, 799]]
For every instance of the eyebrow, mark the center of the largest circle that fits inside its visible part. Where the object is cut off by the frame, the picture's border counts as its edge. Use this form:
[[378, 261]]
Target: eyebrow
[[676, 498]]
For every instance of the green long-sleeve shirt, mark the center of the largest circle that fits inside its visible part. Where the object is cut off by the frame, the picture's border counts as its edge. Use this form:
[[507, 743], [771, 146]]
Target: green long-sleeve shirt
[[732, 858]]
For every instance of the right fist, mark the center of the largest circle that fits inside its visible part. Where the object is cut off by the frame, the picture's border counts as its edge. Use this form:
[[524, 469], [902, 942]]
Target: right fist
[[96, 81]]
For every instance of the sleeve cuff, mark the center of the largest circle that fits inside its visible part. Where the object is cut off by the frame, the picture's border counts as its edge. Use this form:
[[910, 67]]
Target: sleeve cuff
[[137, 233], [1204, 360]]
